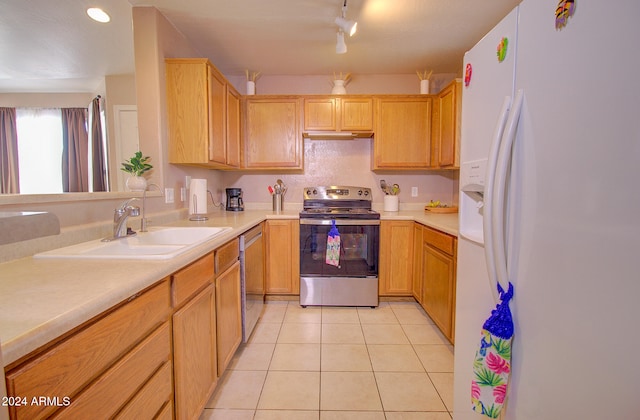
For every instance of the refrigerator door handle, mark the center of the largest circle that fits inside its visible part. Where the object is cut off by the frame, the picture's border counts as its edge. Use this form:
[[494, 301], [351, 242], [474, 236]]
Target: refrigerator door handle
[[499, 199], [488, 195]]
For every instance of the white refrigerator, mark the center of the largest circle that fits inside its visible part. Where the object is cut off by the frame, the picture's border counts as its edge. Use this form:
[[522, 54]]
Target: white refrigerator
[[563, 220]]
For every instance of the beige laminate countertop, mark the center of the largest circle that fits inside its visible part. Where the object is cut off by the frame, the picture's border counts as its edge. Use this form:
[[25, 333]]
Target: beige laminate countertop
[[41, 299]]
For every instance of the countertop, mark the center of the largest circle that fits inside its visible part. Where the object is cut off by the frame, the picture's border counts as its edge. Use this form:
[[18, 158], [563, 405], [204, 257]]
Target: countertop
[[41, 299]]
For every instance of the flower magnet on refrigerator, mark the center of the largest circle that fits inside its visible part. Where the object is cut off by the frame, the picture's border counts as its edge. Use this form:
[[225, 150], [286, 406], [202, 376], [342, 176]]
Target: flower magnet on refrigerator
[[565, 9]]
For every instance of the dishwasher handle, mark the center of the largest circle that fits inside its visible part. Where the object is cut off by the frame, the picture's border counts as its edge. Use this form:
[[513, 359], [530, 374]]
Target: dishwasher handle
[[250, 237]]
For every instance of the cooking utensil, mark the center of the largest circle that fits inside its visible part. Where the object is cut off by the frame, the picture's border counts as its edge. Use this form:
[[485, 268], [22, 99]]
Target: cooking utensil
[[395, 189], [384, 186]]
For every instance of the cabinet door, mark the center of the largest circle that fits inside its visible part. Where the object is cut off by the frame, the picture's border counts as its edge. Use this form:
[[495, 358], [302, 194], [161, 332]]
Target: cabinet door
[[438, 287], [356, 114], [233, 127], [194, 353], [449, 125], [417, 262], [228, 315], [187, 111], [396, 256], [403, 133], [320, 114], [217, 117], [273, 136], [282, 256]]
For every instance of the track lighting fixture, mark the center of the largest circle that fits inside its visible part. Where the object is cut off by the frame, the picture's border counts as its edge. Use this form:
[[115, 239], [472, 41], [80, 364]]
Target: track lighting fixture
[[344, 26], [341, 47]]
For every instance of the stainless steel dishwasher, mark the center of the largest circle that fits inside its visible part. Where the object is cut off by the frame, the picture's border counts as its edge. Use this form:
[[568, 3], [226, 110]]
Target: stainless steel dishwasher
[[251, 279]]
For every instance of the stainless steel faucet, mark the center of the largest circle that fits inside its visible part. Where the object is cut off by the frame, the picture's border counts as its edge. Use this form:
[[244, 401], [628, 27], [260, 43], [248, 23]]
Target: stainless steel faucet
[[120, 216], [143, 219]]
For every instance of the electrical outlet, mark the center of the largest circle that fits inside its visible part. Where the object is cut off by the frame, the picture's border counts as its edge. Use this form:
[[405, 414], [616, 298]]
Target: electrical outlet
[[183, 194], [414, 191], [168, 195]]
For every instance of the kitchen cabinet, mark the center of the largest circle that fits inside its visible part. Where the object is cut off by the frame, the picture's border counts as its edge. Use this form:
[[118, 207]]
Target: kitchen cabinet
[[402, 133], [101, 366], [417, 262], [338, 114], [194, 336], [228, 303], [282, 241], [273, 133], [396, 258], [447, 111], [203, 112], [438, 278]]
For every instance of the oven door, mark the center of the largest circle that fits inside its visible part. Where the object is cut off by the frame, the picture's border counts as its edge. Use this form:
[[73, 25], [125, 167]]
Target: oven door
[[359, 244]]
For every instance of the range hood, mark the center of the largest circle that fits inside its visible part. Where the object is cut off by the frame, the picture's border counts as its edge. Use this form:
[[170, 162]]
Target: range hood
[[337, 135]]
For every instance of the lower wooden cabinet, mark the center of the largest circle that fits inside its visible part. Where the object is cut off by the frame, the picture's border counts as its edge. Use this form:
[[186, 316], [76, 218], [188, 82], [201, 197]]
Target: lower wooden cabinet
[[102, 365], [396, 258], [438, 278], [282, 242], [194, 336], [194, 347], [228, 315]]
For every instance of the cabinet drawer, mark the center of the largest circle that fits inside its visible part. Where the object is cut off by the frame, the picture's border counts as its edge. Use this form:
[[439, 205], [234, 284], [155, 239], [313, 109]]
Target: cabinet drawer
[[113, 389], [69, 366], [152, 398], [226, 256], [442, 241], [189, 280]]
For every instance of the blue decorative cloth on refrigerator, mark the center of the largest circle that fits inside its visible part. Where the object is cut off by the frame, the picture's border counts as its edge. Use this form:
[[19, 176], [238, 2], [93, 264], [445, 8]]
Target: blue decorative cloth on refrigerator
[[333, 246], [492, 364]]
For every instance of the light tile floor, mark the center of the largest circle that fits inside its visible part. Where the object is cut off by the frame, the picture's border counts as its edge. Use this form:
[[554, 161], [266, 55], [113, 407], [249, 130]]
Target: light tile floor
[[336, 363]]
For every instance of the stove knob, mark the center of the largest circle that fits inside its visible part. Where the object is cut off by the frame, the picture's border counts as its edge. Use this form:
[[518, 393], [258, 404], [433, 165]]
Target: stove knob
[[308, 192], [315, 192], [366, 193], [359, 192]]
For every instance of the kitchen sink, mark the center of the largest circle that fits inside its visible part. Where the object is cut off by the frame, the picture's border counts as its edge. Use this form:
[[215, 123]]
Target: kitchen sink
[[159, 243]]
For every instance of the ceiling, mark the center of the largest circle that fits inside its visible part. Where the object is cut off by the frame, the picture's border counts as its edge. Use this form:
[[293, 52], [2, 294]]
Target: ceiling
[[52, 45]]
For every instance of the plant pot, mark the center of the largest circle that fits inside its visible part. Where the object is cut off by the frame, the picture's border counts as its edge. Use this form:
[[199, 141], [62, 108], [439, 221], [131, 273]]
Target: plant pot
[[136, 183]]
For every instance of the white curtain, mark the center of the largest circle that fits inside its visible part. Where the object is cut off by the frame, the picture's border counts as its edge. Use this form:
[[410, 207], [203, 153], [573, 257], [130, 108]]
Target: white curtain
[[39, 150]]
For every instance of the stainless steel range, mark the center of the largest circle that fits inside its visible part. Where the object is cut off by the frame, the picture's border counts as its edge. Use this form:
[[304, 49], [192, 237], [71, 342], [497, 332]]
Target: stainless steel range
[[350, 276]]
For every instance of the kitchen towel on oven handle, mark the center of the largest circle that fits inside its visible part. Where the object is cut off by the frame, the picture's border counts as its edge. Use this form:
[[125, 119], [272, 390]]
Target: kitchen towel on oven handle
[[333, 246]]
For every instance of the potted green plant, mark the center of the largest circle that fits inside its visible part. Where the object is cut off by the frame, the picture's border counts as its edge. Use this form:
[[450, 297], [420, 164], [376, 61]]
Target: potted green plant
[[136, 167]]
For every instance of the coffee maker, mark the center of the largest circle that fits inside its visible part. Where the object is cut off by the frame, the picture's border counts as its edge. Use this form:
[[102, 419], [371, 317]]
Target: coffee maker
[[234, 199]]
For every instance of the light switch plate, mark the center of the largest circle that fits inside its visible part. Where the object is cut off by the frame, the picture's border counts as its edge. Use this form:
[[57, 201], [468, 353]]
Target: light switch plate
[[168, 195], [414, 191]]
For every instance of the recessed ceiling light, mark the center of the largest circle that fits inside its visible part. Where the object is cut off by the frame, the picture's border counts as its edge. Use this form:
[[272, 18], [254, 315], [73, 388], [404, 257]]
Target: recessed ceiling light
[[98, 14]]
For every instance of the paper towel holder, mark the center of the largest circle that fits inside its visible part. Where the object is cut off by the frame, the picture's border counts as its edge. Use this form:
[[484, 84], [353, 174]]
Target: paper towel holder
[[197, 217]]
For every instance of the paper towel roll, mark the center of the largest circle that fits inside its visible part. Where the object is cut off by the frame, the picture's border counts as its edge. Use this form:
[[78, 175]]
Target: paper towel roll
[[198, 196]]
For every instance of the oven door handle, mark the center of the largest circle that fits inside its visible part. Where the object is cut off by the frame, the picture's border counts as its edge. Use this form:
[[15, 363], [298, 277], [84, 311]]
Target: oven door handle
[[341, 222]]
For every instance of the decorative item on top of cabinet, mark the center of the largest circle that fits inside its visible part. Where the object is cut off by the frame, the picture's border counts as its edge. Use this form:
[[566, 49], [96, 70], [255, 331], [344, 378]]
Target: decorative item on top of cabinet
[[272, 133], [203, 111], [282, 263], [396, 257], [445, 141], [402, 133], [352, 115]]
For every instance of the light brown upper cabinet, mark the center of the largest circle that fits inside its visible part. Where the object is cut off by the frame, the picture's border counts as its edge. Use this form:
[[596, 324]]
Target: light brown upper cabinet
[[273, 135], [402, 133], [343, 114], [203, 111], [446, 127]]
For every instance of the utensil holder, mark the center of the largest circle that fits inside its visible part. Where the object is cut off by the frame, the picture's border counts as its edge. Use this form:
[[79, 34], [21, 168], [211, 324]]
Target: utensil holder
[[278, 202], [391, 203]]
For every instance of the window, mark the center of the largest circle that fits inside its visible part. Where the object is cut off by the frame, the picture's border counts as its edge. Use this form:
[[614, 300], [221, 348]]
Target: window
[[39, 150]]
